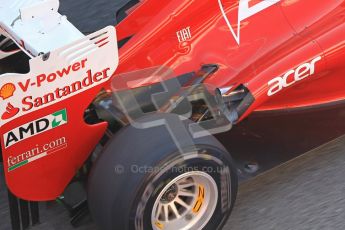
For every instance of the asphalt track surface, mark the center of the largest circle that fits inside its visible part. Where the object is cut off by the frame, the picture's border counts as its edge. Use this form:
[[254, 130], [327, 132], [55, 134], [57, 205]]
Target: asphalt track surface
[[305, 193]]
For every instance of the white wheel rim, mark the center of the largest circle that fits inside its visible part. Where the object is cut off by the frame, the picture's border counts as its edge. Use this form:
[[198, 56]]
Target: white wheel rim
[[187, 202]]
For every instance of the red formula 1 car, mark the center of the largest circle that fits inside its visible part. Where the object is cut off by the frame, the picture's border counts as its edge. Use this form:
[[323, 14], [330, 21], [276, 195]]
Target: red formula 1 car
[[132, 110]]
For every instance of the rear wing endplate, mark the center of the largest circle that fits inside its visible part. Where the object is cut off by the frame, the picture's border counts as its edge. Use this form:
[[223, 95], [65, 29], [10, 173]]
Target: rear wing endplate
[[44, 138]]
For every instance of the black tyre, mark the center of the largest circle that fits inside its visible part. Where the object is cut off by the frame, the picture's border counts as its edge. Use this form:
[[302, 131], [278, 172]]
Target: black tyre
[[143, 182]]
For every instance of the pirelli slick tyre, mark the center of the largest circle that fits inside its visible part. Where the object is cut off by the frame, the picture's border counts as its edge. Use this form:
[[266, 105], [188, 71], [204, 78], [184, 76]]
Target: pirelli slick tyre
[[142, 181]]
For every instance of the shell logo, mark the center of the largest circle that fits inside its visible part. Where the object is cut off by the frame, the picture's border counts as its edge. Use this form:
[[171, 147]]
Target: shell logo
[[7, 90]]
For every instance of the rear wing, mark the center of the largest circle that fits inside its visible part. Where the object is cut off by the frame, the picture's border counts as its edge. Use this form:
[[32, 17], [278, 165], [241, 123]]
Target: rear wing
[[36, 26], [44, 137], [7, 47]]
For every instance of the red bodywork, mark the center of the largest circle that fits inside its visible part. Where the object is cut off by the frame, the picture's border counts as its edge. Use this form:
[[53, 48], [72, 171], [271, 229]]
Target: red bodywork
[[300, 43], [273, 41]]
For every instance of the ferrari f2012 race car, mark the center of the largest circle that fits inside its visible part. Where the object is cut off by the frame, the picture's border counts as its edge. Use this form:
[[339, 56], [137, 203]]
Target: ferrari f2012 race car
[[131, 111]]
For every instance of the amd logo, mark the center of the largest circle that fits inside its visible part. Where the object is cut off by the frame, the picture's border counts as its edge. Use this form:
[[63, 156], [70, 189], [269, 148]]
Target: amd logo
[[244, 11], [36, 127], [26, 131]]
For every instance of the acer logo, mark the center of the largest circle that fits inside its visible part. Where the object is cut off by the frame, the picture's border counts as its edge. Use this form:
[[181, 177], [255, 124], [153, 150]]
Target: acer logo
[[292, 76], [246, 9]]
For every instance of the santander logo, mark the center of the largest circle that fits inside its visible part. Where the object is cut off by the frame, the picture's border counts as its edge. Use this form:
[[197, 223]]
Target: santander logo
[[49, 88], [246, 9]]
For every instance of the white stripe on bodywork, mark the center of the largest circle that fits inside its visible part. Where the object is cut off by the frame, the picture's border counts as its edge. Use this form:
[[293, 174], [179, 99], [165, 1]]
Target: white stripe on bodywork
[[244, 12]]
